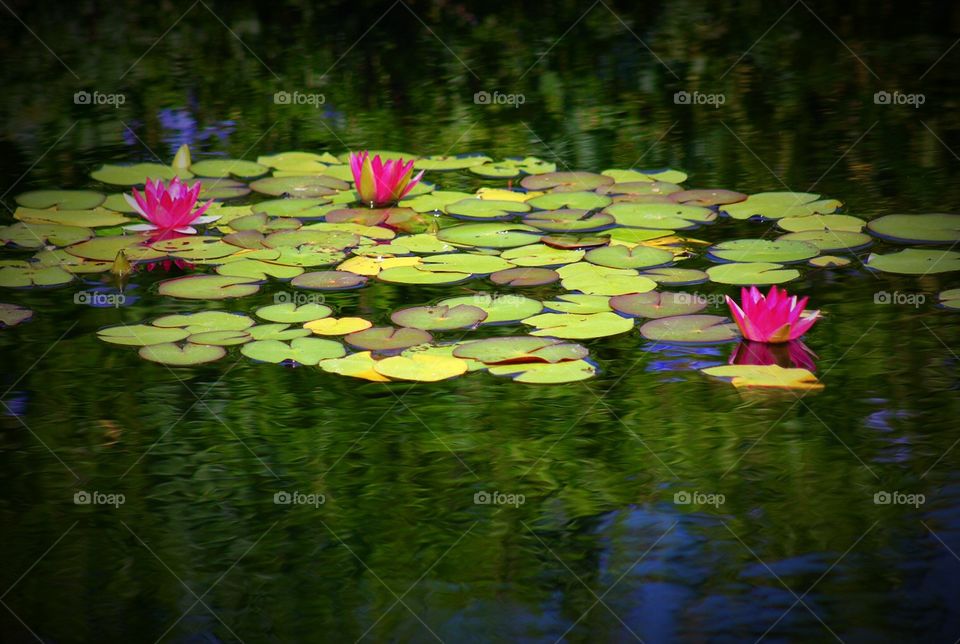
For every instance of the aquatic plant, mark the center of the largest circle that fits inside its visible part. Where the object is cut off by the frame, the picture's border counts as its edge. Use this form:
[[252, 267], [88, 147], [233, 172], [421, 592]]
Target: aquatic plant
[[169, 207], [382, 183], [775, 317]]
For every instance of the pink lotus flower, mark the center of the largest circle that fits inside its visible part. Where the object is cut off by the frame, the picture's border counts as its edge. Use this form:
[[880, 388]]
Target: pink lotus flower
[[169, 207], [773, 318], [381, 183]]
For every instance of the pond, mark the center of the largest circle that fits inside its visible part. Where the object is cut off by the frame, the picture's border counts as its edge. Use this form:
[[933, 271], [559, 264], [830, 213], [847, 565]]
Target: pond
[[606, 477]]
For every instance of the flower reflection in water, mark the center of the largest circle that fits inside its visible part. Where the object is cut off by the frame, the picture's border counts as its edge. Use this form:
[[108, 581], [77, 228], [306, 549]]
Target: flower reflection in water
[[793, 354]]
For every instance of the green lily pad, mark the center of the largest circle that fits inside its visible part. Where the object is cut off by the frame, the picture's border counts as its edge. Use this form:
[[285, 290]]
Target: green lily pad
[[778, 205], [822, 222], [949, 299], [566, 181], [195, 248], [302, 208], [485, 209], [299, 186], [641, 188], [12, 315], [575, 242], [418, 275], [303, 162], [763, 250], [660, 216], [828, 241], [18, 274], [707, 197], [205, 321], [435, 201], [61, 199], [387, 339], [420, 367], [637, 235], [140, 335], [936, 228], [324, 238], [520, 277], [439, 318], [291, 313], [765, 376], [500, 309], [569, 220], [329, 280], [690, 329], [579, 303], [574, 326], [38, 235], [220, 338], [134, 175], [446, 162], [105, 249], [175, 355], [541, 255], [219, 188], [624, 257], [676, 276], [915, 261], [502, 170], [563, 199], [256, 270], [490, 235], [547, 374], [302, 256], [520, 349], [228, 167], [663, 174], [91, 218], [464, 263], [657, 305], [305, 351], [281, 332], [829, 261], [758, 273], [600, 280], [207, 287]]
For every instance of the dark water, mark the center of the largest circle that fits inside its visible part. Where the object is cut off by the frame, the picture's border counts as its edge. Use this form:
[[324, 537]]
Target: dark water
[[399, 551]]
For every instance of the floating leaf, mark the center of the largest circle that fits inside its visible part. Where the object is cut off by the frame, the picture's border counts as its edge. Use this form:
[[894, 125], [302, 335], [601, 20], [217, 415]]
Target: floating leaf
[[660, 216], [292, 313], [690, 329], [707, 197], [778, 205], [337, 326], [575, 242], [485, 209], [500, 308], [490, 235], [254, 269], [829, 261], [305, 351], [61, 199], [329, 280], [277, 332], [220, 338], [195, 248], [418, 275], [936, 228], [566, 181], [387, 339], [219, 188], [822, 222], [575, 326], [12, 315], [575, 200], [663, 174], [205, 321], [299, 186], [520, 277], [758, 273], [772, 376], [38, 235], [830, 240], [624, 257], [448, 162], [435, 201], [464, 263], [659, 189], [600, 280], [676, 276], [569, 220], [355, 365], [915, 261], [547, 374], [579, 303], [302, 208], [420, 368], [207, 287], [541, 255], [17, 274], [141, 335], [228, 167], [520, 349], [134, 175], [949, 299], [763, 250], [175, 355], [371, 266], [657, 305], [439, 318], [305, 162]]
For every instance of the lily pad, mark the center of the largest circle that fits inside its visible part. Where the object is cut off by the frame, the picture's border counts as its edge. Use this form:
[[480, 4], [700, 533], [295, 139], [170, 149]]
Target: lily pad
[[91, 218], [277, 331], [329, 281], [829, 261], [228, 167], [61, 199], [660, 216], [134, 175], [220, 338], [520, 277], [690, 329], [778, 205], [660, 189], [579, 303], [828, 241], [707, 197], [387, 339], [205, 321], [490, 235], [763, 250], [195, 248], [256, 270], [758, 273], [12, 315], [485, 209], [949, 299], [676, 276], [575, 242], [576, 200], [936, 228], [500, 309], [207, 287], [355, 365], [439, 318], [663, 174], [17, 274], [579, 326], [915, 261], [302, 208], [292, 313], [547, 374], [623, 257], [566, 181], [600, 280], [541, 255], [822, 222], [106, 249], [464, 263], [175, 355], [435, 201], [657, 305], [418, 275], [299, 186], [520, 349], [141, 335], [337, 326], [305, 351], [569, 220], [420, 368], [450, 162], [766, 376]]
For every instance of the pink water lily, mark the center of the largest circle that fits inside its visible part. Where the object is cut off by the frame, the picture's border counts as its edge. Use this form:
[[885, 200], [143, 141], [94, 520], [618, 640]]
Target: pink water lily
[[381, 183], [774, 317], [169, 207]]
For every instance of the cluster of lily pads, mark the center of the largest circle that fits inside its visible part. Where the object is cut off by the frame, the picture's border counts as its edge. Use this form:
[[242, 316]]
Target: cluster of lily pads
[[605, 245]]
